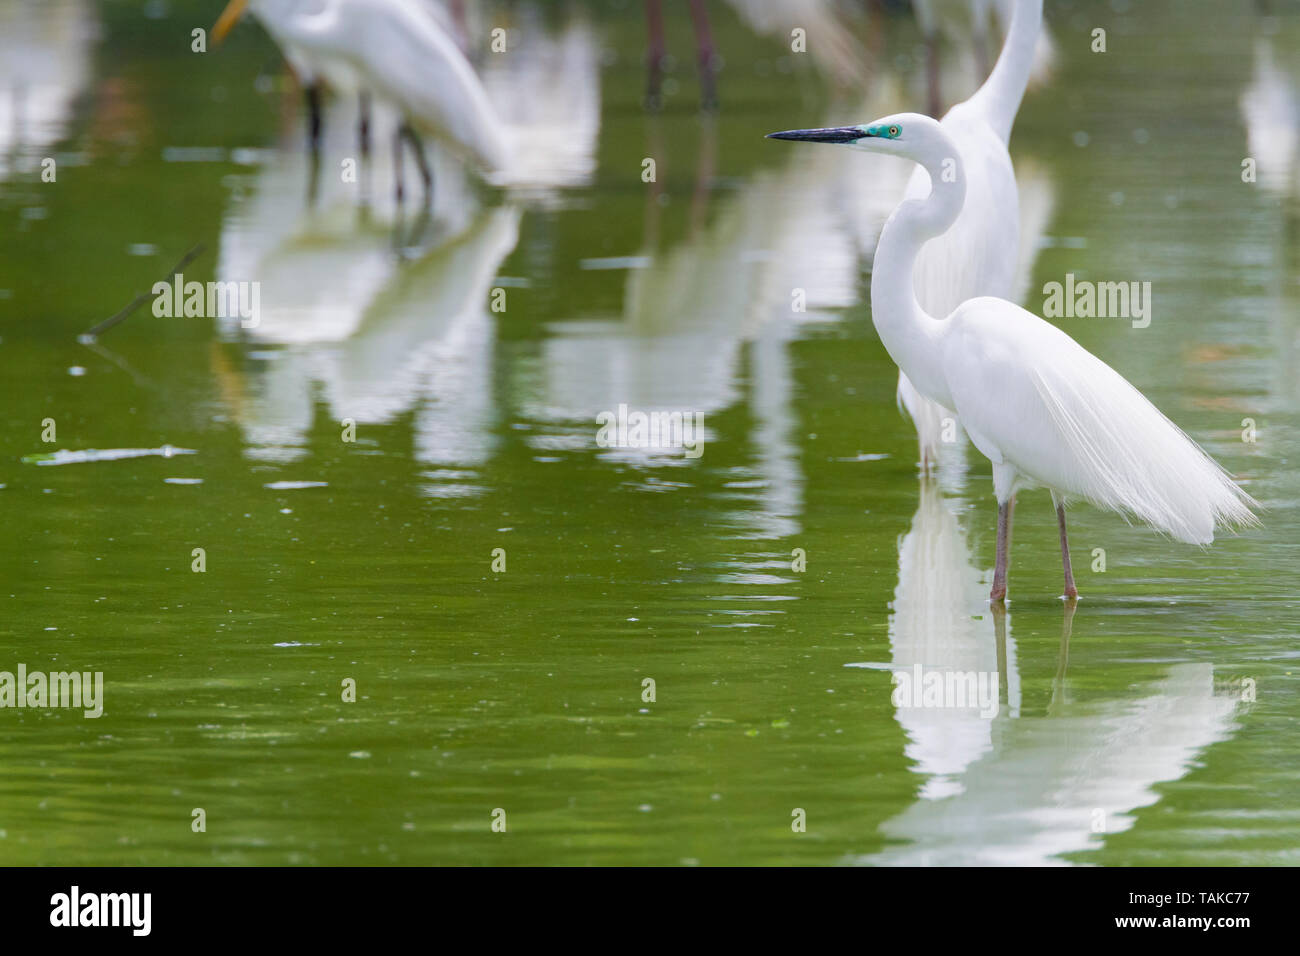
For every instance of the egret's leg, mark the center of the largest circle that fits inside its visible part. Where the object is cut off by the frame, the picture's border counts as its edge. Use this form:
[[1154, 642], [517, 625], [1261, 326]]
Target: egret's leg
[[980, 41], [312, 95], [654, 17], [421, 160], [1005, 510], [932, 72], [363, 143], [457, 10], [363, 129], [1071, 592], [397, 166], [706, 54]]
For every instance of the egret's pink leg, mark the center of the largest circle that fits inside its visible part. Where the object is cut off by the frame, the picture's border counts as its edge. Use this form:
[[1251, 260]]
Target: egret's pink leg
[[1070, 590], [705, 54], [312, 95], [363, 126], [397, 166], [654, 16], [999, 591], [932, 72]]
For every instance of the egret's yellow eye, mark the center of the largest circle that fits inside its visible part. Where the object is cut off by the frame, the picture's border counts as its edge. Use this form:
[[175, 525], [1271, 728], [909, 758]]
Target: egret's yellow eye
[[893, 131]]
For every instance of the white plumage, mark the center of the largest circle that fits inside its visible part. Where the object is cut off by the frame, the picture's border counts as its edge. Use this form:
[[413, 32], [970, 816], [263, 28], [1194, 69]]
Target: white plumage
[[1048, 412], [395, 49]]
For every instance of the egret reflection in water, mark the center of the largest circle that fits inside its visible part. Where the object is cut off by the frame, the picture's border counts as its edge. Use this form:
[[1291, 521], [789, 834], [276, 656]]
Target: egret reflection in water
[[941, 623], [375, 330], [373, 334], [1062, 782], [691, 311], [1017, 788]]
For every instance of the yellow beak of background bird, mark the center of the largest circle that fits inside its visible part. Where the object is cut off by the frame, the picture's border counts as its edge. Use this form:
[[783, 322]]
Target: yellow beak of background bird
[[229, 17]]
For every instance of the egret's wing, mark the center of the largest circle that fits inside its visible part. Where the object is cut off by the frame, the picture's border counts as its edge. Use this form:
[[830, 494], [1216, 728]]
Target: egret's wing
[[403, 55], [1066, 419]]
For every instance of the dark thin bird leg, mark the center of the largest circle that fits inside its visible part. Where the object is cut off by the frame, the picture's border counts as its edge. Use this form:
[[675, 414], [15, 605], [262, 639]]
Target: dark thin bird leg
[[979, 39], [1071, 592], [363, 136], [457, 10], [426, 171], [654, 16], [932, 71], [706, 54], [312, 95], [397, 167], [1005, 510], [363, 130]]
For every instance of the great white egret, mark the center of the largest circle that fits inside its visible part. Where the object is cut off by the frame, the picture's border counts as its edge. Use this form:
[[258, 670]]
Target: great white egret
[[980, 253], [1043, 409], [395, 50]]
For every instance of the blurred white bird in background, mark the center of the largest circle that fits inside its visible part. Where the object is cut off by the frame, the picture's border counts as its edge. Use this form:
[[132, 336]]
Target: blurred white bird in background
[[1270, 107], [45, 63], [1044, 410], [828, 39], [546, 95], [1270, 110], [529, 122], [397, 51]]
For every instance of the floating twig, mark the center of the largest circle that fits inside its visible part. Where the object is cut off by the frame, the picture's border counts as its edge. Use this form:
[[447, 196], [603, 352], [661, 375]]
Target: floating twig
[[90, 335]]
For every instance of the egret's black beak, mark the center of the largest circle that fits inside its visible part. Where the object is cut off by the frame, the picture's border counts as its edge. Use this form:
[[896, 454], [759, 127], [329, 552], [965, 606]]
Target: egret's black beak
[[832, 134]]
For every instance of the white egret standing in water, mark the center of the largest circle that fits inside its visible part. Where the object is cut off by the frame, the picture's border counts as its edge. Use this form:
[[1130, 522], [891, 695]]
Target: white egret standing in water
[[1043, 409], [980, 253], [396, 50]]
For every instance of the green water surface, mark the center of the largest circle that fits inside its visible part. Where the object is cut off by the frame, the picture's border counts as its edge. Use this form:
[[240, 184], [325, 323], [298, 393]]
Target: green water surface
[[523, 689]]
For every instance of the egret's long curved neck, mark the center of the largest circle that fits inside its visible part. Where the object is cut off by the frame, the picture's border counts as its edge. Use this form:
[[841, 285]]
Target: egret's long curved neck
[[910, 334], [999, 98]]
